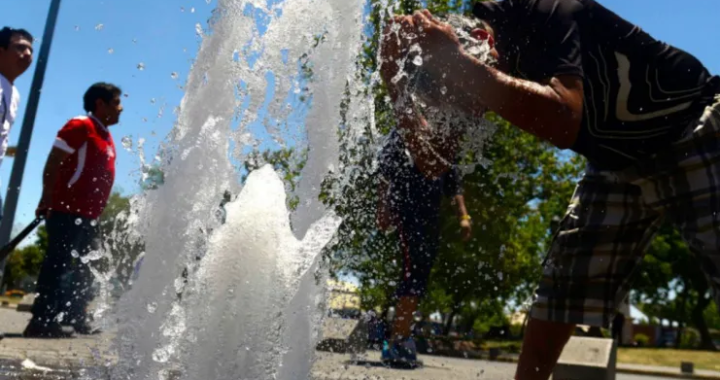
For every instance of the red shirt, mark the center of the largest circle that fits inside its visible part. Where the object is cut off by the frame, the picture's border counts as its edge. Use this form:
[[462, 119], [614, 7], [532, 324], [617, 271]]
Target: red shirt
[[86, 177]]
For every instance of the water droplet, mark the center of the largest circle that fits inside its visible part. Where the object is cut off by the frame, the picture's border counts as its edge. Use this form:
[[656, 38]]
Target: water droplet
[[78, 221], [208, 1], [94, 179], [141, 66], [127, 143], [161, 355], [74, 254], [134, 40], [198, 29], [151, 307], [77, 28], [192, 10], [99, 27], [111, 50], [152, 101], [443, 90], [174, 75], [417, 61], [94, 223], [182, 9]]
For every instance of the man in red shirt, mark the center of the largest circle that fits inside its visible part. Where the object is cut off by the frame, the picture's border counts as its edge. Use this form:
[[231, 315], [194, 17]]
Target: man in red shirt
[[77, 182]]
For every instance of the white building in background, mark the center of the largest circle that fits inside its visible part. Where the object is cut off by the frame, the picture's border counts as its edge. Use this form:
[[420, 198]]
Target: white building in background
[[343, 299]]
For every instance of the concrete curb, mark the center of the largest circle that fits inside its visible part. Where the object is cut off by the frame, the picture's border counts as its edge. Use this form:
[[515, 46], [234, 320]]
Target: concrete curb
[[631, 371]]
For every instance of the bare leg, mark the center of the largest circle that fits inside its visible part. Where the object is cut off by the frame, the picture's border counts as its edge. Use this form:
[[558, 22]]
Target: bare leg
[[402, 326], [543, 343]]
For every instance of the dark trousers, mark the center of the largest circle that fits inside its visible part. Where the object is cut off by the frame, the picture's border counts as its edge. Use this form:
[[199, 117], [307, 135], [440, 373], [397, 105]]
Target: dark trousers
[[65, 282], [617, 332]]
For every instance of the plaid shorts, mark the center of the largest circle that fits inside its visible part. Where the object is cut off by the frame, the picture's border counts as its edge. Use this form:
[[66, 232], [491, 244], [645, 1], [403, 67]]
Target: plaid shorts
[[613, 217]]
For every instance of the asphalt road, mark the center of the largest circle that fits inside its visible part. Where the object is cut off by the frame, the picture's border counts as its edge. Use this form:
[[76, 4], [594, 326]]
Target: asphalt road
[[328, 366], [338, 367]]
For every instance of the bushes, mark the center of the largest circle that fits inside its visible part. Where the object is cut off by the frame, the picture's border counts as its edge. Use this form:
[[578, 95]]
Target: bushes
[[690, 338], [516, 331], [642, 340]]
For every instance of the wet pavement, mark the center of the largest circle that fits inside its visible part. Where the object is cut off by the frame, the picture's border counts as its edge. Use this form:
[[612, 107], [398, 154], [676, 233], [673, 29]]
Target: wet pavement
[[72, 355]]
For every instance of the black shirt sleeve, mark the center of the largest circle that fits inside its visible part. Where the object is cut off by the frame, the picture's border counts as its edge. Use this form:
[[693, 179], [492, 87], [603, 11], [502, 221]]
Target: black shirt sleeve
[[452, 182], [392, 158], [542, 37]]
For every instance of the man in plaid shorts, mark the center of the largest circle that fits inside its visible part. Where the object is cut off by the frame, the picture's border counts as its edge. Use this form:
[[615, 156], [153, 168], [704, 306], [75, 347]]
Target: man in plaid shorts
[[645, 114]]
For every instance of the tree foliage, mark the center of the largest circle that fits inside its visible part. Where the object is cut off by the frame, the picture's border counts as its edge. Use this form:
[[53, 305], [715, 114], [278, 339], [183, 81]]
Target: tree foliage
[[672, 286], [25, 262], [287, 162]]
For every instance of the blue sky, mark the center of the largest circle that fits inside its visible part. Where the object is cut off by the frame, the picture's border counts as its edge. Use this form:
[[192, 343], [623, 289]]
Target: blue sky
[[161, 34]]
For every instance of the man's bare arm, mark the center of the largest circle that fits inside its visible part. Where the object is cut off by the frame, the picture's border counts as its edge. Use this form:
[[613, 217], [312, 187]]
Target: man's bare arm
[[551, 111], [460, 209], [463, 216]]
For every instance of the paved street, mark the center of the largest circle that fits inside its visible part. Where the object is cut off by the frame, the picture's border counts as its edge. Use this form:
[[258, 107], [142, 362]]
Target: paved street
[[92, 351], [338, 367]]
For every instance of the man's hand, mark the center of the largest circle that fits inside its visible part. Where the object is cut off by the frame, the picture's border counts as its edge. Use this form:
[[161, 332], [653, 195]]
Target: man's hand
[[395, 44], [42, 210], [421, 34], [466, 229], [438, 42]]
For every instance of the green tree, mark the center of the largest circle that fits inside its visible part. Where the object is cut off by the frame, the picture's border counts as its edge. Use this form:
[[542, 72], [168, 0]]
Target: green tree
[[153, 178], [669, 267], [287, 162], [26, 261]]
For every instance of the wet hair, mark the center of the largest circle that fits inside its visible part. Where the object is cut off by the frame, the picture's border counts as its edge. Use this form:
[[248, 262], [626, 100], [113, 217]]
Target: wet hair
[[7, 33], [101, 90]]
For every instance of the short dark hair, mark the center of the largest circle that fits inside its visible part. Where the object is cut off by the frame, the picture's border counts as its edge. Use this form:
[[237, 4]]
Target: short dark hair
[[7, 32], [101, 90]]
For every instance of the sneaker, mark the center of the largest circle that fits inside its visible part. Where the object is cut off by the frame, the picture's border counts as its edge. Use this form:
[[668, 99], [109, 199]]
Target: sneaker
[[50, 330], [400, 353]]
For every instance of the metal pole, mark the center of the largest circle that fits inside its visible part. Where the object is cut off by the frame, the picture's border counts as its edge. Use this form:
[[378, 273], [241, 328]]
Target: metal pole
[[13, 192]]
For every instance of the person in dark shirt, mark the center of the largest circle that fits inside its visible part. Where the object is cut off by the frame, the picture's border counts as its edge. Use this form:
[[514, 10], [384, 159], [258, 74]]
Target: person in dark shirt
[[617, 327], [410, 202], [645, 114]]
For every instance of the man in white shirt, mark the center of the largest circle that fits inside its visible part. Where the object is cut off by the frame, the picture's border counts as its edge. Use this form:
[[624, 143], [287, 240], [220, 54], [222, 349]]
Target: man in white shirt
[[16, 54]]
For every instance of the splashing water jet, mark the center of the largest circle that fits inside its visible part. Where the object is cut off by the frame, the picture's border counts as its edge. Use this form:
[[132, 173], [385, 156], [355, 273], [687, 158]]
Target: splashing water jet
[[251, 304]]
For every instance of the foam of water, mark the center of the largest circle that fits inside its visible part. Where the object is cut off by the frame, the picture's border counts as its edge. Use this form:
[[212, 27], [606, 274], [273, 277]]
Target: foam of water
[[251, 309], [251, 272]]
